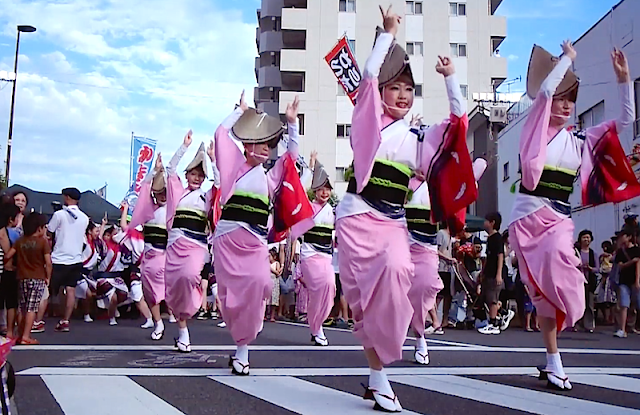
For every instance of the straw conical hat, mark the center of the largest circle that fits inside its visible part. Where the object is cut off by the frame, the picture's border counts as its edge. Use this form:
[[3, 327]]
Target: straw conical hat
[[540, 66], [395, 63], [255, 126]]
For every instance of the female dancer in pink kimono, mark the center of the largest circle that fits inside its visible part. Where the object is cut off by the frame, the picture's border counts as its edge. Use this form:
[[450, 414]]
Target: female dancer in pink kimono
[[242, 145], [375, 262], [151, 212], [426, 283], [541, 230], [187, 239], [316, 254]]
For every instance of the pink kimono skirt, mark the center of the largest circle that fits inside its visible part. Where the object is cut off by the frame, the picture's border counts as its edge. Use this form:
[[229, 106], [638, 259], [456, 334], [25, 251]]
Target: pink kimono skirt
[[425, 286], [375, 272], [152, 276], [184, 263], [543, 242], [318, 276], [244, 281]]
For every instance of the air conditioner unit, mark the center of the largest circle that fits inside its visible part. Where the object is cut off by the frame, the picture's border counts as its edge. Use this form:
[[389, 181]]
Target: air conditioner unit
[[498, 114]]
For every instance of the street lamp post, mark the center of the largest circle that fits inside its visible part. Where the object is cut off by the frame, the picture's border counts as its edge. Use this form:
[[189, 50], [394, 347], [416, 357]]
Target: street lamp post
[[26, 29]]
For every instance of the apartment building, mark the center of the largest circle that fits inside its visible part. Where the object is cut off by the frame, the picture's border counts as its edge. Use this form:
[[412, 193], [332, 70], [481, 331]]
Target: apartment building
[[294, 36]]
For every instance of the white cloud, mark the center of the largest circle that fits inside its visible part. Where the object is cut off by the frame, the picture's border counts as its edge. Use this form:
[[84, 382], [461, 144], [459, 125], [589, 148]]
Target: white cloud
[[154, 67], [513, 57]]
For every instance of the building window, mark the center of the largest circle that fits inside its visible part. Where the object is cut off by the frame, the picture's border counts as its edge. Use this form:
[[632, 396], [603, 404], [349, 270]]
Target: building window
[[464, 90], [505, 172], [415, 48], [352, 45], [418, 90], [414, 7], [458, 50], [293, 81], [348, 6], [340, 171], [344, 130], [592, 117], [636, 89], [457, 9]]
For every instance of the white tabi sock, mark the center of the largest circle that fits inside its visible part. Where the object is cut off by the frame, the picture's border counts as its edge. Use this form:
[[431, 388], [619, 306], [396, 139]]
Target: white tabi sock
[[421, 345], [183, 336], [378, 381], [554, 364], [320, 334], [159, 327], [242, 354]]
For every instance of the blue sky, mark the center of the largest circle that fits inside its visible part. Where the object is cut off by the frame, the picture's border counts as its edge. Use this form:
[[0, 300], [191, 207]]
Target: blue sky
[[96, 71], [546, 23]]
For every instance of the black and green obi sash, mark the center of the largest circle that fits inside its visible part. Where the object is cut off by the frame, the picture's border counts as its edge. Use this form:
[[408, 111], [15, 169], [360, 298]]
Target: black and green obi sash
[[387, 188], [555, 184], [320, 237], [155, 235], [419, 224], [192, 222], [250, 208]]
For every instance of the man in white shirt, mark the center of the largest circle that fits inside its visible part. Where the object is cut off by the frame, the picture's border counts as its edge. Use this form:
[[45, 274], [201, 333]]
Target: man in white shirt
[[69, 226]]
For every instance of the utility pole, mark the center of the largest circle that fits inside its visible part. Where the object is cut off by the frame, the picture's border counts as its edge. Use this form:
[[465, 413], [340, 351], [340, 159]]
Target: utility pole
[[26, 29]]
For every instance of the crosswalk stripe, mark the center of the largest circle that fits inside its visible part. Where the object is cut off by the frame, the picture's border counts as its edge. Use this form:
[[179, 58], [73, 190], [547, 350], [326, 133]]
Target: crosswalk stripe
[[300, 396], [320, 371], [621, 383], [105, 395], [464, 348], [532, 401]]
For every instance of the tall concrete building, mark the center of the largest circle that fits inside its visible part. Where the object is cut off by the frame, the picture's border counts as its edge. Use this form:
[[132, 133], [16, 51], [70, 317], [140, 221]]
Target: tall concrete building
[[294, 36]]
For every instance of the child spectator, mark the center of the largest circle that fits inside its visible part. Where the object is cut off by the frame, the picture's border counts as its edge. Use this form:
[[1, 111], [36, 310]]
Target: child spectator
[[276, 271], [33, 261], [529, 310], [605, 292], [8, 280], [491, 278]]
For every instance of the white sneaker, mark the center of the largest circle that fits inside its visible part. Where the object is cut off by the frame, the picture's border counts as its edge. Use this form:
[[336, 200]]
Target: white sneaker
[[113, 321], [172, 319], [222, 325], [507, 319], [88, 319], [429, 330], [149, 324], [117, 313], [489, 329], [620, 333]]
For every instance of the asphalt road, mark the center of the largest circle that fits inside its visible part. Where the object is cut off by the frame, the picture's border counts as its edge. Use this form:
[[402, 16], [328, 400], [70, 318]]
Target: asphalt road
[[96, 369]]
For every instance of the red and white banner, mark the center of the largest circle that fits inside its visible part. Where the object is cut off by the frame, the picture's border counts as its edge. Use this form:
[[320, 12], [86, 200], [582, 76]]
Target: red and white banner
[[345, 68]]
